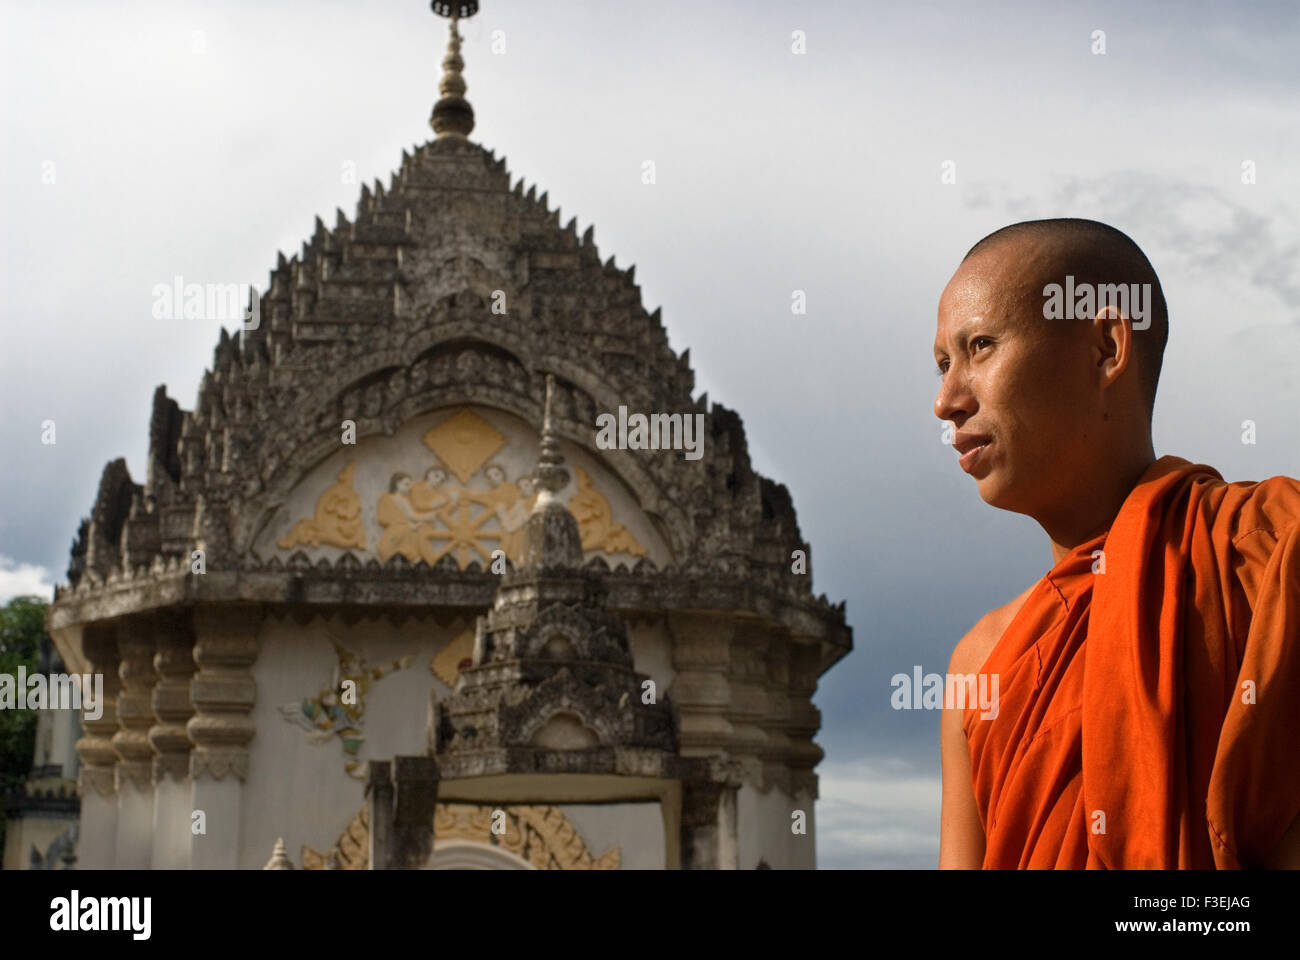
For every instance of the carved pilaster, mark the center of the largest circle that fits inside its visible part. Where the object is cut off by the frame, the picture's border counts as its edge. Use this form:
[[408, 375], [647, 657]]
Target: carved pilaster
[[223, 691], [95, 749], [701, 657], [415, 795], [173, 661], [135, 704], [709, 824], [747, 680], [805, 719]]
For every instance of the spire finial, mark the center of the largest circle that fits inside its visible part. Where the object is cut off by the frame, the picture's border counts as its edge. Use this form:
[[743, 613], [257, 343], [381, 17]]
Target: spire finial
[[452, 114], [551, 475], [552, 540]]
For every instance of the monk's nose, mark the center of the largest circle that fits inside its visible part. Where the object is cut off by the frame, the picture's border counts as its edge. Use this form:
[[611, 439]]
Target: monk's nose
[[955, 400]]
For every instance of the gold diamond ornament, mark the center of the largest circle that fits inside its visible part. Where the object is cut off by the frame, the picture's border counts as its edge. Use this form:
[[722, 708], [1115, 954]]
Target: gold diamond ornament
[[464, 443]]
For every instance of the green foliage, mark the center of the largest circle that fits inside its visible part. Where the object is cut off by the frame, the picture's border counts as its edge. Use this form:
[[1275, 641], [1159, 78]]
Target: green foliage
[[22, 623]]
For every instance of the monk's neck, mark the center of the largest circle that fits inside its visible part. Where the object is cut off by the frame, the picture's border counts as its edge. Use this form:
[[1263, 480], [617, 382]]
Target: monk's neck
[[1093, 507]]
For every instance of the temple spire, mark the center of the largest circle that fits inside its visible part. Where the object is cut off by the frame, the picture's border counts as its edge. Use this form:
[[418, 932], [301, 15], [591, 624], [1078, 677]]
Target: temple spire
[[552, 540], [452, 114], [551, 475]]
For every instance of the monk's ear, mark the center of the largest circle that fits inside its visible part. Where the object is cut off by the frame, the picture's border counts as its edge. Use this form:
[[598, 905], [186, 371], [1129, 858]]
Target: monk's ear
[[1112, 341]]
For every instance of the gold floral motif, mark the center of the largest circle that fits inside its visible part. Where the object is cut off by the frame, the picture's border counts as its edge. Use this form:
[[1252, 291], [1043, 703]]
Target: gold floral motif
[[541, 835], [352, 849]]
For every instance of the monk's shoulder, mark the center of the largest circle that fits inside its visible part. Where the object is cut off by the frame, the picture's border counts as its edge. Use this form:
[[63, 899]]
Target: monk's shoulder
[[1270, 506], [974, 648]]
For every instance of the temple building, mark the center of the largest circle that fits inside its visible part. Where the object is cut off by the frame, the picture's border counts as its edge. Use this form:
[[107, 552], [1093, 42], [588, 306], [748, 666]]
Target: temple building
[[384, 599], [41, 812]]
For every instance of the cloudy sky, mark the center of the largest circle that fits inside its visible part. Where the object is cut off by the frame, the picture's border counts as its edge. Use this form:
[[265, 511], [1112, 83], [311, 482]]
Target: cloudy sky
[[143, 140]]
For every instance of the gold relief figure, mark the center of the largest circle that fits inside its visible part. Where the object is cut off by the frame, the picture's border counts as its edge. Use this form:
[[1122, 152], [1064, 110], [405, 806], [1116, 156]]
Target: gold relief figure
[[501, 495], [596, 523], [428, 498], [406, 530], [513, 517], [426, 495], [465, 530], [501, 500], [336, 521]]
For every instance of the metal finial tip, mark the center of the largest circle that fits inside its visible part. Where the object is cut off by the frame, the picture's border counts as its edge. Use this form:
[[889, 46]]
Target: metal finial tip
[[461, 10], [551, 475], [452, 114]]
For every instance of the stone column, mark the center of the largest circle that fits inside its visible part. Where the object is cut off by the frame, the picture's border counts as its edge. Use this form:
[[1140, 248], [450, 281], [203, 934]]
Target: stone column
[[415, 795], [223, 692], [96, 780], [749, 705], [131, 742], [173, 661], [805, 721], [702, 695], [701, 691], [710, 834]]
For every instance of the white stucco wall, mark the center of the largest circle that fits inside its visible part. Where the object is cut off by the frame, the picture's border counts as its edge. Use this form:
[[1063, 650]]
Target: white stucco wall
[[636, 828], [297, 789], [764, 830], [652, 654]]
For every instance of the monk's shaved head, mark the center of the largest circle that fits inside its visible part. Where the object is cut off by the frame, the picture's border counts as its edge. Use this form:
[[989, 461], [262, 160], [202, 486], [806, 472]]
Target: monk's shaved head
[[1049, 342], [1093, 253]]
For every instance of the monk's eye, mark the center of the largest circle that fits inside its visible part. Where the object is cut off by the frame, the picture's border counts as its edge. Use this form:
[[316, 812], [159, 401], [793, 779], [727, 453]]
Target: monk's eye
[[941, 369], [975, 343]]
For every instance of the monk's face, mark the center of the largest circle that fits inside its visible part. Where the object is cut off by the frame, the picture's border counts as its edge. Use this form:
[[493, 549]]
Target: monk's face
[[1020, 389]]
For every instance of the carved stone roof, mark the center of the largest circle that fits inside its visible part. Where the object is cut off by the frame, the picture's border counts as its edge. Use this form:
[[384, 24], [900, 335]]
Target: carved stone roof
[[396, 312]]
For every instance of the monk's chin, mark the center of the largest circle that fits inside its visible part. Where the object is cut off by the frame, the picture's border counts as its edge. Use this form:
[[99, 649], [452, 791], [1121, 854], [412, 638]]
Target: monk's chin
[[997, 493]]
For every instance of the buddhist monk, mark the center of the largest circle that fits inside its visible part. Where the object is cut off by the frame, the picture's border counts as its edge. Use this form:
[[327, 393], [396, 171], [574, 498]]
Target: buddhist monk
[[1149, 683]]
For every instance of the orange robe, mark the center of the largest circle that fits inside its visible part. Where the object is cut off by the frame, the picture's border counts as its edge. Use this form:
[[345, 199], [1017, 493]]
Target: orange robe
[[1124, 696]]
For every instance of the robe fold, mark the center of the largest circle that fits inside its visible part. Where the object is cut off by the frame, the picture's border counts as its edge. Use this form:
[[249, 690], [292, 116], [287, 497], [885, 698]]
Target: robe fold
[[1149, 712]]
